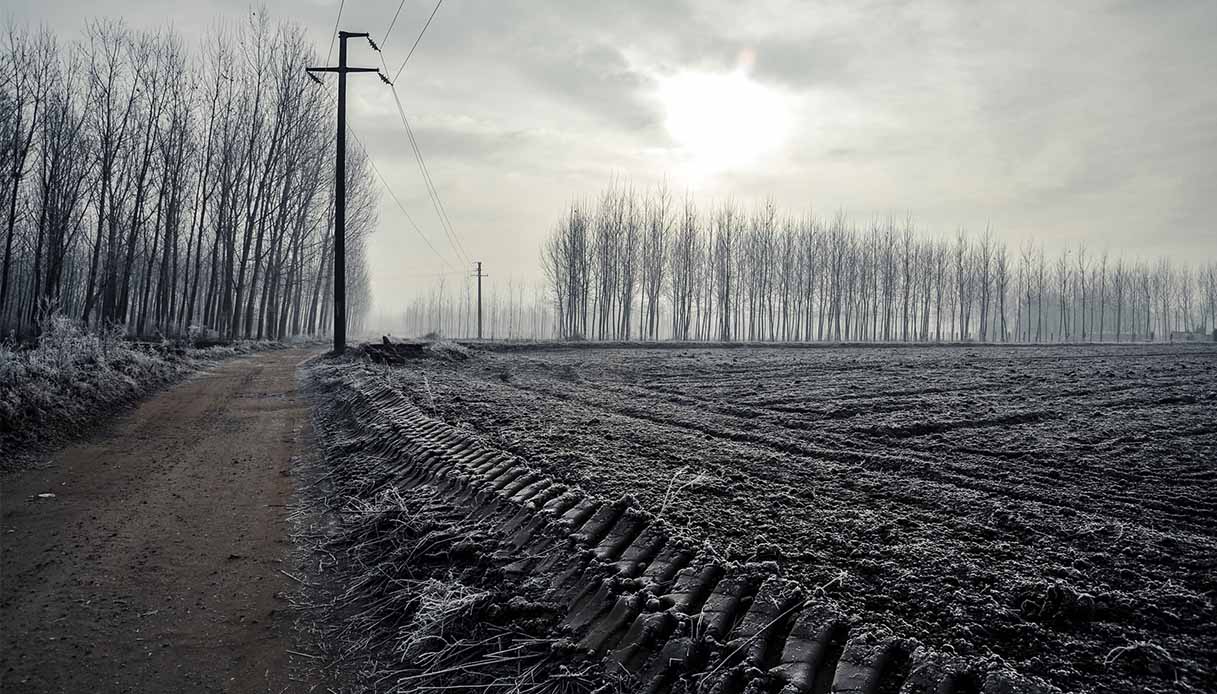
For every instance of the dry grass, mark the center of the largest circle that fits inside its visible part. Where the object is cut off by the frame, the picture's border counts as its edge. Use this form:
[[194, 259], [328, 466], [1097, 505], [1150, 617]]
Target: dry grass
[[60, 385], [419, 605]]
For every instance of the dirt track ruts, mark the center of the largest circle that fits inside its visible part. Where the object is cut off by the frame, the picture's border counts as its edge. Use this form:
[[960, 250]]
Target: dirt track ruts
[[659, 611], [1051, 505], [156, 565]]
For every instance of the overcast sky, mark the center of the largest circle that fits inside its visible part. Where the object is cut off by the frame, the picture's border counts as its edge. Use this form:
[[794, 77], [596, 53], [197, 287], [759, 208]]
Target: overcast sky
[[1066, 121]]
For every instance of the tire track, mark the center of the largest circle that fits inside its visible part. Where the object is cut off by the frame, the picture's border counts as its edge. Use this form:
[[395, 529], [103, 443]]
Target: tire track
[[635, 596]]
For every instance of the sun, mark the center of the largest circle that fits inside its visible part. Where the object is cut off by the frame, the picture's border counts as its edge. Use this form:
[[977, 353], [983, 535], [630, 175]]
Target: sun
[[723, 121]]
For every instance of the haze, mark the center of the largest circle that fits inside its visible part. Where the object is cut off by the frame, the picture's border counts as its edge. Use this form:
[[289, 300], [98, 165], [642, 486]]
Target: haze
[[1091, 121]]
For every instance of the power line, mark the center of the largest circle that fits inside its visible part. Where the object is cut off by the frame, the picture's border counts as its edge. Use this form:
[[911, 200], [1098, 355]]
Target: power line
[[441, 212], [435, 191], [431, 190], [423, 275], [330, 53], [384, 182], [420, 38], [436, 201], [385, 38]]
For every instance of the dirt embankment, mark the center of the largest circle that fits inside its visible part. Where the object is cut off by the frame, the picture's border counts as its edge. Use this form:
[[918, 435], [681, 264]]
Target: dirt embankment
[[152, 556]]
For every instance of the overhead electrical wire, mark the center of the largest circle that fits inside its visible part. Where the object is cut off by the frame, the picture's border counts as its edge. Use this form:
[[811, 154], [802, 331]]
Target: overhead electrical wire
[[435, 191], [384, 182], [337, 20], [415, 275], [420, 38], [385, 39], [432, 192]]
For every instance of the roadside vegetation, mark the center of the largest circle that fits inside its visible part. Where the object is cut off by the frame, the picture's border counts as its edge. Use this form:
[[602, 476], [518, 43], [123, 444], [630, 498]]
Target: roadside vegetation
[[71, 377]]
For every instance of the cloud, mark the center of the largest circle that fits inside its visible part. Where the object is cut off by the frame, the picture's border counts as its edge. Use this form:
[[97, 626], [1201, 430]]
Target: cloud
[[596, 79], [1066, 121]]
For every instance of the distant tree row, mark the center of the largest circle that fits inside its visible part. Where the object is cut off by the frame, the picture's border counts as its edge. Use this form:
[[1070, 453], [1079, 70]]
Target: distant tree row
[[512, 309], [636, 265], [161, 188]]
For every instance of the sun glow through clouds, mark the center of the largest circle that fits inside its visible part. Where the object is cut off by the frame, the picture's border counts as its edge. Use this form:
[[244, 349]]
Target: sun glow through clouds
[[723, 121]]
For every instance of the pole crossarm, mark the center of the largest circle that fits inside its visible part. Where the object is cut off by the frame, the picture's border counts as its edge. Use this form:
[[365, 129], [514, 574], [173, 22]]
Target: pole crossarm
[[342, 69]]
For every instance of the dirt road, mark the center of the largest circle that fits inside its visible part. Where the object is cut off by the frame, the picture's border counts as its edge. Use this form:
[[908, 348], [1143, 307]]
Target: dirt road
[[157, 564]]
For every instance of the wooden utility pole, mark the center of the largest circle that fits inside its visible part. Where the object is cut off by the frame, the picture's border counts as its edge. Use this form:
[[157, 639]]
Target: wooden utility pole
[[479, 275], [340, 185]]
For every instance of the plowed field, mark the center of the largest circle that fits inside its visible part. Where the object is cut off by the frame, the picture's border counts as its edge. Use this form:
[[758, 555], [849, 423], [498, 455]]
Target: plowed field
[[1054, 506]]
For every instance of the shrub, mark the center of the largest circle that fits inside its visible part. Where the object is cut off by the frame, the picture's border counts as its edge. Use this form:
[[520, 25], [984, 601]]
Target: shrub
[[59, 385]]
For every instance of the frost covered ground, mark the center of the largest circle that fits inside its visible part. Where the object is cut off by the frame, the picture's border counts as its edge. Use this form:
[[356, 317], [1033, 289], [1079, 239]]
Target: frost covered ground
[[72, 379], [1055, 506]]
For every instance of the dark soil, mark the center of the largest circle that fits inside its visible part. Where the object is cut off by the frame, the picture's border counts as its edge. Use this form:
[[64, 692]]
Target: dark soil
[[1054, 506], [412, 590]]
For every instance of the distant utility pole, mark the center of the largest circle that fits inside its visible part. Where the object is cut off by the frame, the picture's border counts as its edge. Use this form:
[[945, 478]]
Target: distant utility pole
[[479, 275], [340, 184]]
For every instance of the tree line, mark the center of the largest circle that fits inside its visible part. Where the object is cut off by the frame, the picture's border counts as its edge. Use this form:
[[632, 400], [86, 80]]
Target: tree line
[[512, 309], [638, 265], [171, 190]]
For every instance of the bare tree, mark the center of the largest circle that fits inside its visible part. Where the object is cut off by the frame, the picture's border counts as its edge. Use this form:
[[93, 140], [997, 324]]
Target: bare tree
[[1162, 282], [654, 260], [1062, 276], [964, 263], [686, 264], [1119, 280], [1083, 271], [567, 262], [1100, 284], [984, 278], [1210, 293], [29, 59], [1040, 285], [908, 250], [175, 190], [1002, 282], [766, 276]]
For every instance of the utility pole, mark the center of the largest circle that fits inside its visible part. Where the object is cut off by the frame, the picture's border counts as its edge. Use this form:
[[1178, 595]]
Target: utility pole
[[340, 183], [479, 275]]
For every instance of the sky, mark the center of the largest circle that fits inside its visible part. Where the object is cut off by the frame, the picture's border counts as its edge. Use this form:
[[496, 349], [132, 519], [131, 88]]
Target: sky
[[1073, 122]]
